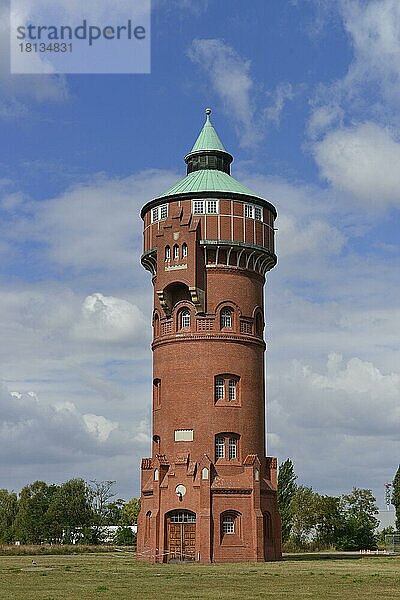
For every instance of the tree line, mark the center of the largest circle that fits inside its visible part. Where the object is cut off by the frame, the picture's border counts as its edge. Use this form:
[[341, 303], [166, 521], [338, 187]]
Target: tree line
[[312, 521], [75, 511]]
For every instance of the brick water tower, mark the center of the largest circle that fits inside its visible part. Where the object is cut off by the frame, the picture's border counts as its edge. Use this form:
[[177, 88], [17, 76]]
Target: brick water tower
[[208, 492]]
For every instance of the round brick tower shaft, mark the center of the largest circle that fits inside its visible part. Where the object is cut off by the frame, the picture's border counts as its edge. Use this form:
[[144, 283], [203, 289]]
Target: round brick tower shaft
[[208, 491]]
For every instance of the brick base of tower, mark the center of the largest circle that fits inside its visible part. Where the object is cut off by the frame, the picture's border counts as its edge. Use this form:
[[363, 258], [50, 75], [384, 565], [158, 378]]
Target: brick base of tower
[[257, 535]]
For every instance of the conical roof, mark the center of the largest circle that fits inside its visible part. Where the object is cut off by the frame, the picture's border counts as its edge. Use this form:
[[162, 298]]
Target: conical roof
[[208, 138]]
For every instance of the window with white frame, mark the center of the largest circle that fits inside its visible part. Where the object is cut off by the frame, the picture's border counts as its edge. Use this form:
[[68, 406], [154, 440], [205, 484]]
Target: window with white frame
[[258, 213], [232, 448], [163, 211], [219, 389], [226, 388], [184, 250], [226, 318], [249, 211], [253, 211], [185, 318], [232, 389], [205, 207], [159, 213], [228, 524], [226, 446], [167, 254], [176, 252], [219, 447]]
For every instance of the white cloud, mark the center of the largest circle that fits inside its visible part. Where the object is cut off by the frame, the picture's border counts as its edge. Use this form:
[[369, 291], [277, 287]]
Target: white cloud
[[363, 160], [283, 92], [109, 319], [230, 77], [17, 93], [340, 425]]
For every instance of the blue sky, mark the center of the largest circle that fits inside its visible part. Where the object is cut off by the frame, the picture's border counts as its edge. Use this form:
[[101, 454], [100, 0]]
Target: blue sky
[[305, 95]]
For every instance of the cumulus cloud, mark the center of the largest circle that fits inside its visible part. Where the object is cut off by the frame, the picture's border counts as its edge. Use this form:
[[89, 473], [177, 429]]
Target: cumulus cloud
[[32, 431], [352, 406], [109, 319], [363, 160], [92, 226]]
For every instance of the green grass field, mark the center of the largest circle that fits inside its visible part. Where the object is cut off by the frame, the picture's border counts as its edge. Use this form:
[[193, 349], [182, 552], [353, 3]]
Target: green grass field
[[118, 576]]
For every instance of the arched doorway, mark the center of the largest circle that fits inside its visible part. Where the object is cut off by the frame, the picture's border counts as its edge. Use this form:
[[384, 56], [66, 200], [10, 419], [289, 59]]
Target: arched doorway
[[181, 536]]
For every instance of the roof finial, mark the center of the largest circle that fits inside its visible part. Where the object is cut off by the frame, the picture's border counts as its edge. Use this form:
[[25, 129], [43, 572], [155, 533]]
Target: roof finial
[[208, 113]]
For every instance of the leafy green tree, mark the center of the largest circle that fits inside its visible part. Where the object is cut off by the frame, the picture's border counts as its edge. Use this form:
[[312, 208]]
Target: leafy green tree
[[8, 511], [70, 511], [396, 497], [286, 490], [304, 508], [329, 521], [359, 523], [32, 524], [130, 512], [124, 536], [113, 512]]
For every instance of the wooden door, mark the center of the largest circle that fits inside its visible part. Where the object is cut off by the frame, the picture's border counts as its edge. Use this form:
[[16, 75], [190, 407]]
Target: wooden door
[[181, 541], [189, 540]]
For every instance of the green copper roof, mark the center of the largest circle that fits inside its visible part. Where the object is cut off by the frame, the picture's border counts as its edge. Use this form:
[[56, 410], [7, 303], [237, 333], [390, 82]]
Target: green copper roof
[[208, 180], [208, 138]]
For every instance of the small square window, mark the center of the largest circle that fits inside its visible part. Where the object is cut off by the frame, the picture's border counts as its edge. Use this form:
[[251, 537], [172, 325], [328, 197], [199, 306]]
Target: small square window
[[198, 207]]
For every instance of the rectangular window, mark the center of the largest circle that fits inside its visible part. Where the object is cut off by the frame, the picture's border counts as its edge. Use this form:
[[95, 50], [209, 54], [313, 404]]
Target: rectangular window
[[219, 389], [232, 389], [249, 211], [163, 211], [198, 207], [184, 435], [205, 207], [219, 447], [232, 448], [212, 207], [159, 213], [258, 213], [154, 214], [228, 525]]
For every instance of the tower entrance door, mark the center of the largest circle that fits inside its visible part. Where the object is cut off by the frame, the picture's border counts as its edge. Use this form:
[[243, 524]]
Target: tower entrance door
[[181, 536]]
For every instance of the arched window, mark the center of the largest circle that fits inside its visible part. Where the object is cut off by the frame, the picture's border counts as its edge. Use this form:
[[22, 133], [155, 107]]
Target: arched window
[[184, 318], [156, 325], [176, 252], [156, 393], [147, 525], [184, 250], [226, 318], [226, 446], [259, 324], [167, 254], [226, 388], [230, 524]]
